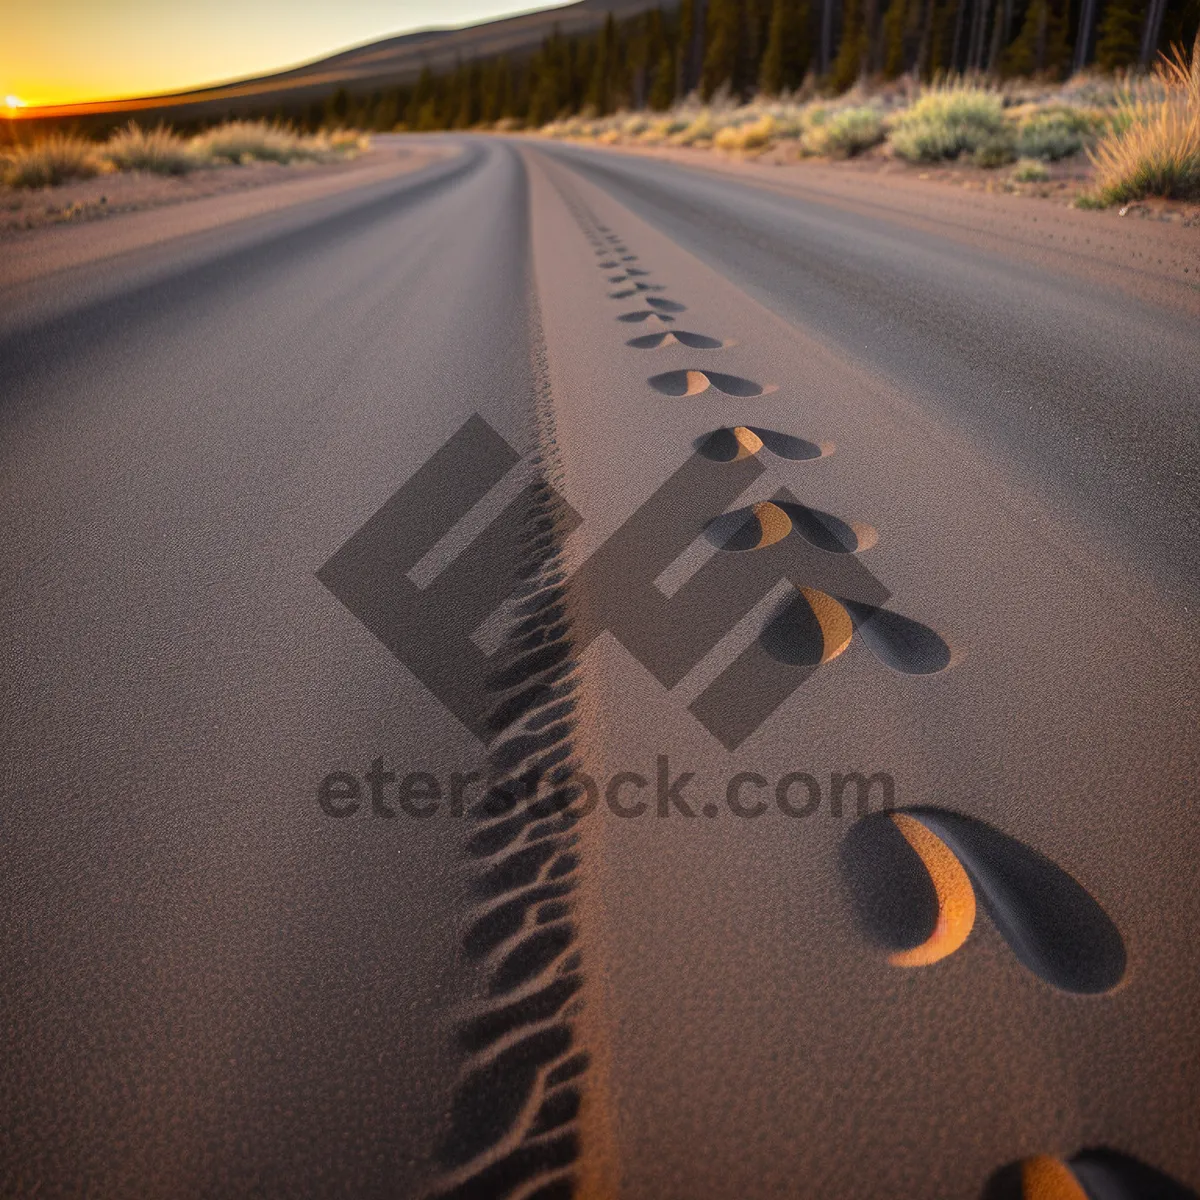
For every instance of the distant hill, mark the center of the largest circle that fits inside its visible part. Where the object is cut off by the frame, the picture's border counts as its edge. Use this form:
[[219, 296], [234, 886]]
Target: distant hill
[[386, 63]]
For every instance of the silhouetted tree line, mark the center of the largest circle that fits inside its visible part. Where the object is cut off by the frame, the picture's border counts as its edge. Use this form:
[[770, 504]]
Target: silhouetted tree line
[[770, 46]]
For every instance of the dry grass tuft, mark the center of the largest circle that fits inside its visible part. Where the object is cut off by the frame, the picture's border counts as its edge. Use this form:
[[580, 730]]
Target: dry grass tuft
[[51, 160], [254, 141], [158, 150], [751, 135], [58, 158], [1154, 149]]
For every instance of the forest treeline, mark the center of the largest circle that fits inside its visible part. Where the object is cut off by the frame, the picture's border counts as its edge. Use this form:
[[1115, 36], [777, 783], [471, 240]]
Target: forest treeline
[[743, 47]]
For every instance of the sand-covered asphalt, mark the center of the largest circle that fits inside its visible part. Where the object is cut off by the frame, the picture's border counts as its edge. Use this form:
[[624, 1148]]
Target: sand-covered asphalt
[[215, 987]]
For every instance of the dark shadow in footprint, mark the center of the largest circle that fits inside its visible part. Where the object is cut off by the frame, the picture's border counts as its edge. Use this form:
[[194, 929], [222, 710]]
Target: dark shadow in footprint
[[785, 445], [1100, 1174], [899, 642], [665, 305], [727, 445], [809, 629], [638, 271], [1005, 1184], [694, 341], [824, 530], [629, 258], [1051, 922], [644, 314], [752, 528], [609, 265], [894, 900], [623, 294], [1110, 1175], [692, 383]]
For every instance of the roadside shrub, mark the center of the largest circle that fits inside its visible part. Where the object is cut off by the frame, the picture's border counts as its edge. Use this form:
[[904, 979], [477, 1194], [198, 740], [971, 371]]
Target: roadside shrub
[[845, 133], [997, 150], [51, 160], [253, 141], [158, 150], [947, 121], [1030, 170], [1056, 132], [1154, 147], [752, 135], [340, 141], [698, 131]]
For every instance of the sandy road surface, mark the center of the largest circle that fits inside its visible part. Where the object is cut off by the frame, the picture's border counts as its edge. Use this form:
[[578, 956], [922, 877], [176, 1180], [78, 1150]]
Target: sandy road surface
[[981, 465]]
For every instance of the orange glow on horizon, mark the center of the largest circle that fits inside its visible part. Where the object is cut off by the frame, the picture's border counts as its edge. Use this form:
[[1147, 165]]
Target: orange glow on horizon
[[102, 53]]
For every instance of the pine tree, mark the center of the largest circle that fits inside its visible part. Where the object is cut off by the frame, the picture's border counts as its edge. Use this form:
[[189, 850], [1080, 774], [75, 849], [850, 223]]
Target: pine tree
[[754, 19], [1041, 47], [848, 63], [899, 33], [1118, 36], [337, 107], [1178, 25], [421, 99], [789, 47], [601, 94], [723, 37], [662, 90]]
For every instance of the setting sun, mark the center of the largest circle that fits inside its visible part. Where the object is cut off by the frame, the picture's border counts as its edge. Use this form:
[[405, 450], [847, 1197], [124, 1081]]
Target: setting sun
[[11, 101]]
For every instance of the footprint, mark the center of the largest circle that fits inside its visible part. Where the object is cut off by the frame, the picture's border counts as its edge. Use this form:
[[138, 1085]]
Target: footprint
[[1094, 1174], [827, 532], [643, 314], [728, 444], [910, 893], [662, 305], [695, 341], [785, 445], [1050, 922], [609, 265], [692, 383], [634, 271], [635, 290], [810, 629], [629, 258], [899, 642], [752, 528]]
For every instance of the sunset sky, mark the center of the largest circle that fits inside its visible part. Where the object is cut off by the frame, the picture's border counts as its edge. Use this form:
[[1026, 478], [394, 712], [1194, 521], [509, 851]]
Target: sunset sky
[[64, 51]]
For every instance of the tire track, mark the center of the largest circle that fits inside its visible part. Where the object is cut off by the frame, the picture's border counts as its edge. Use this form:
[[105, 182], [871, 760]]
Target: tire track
[[513, 1126]]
